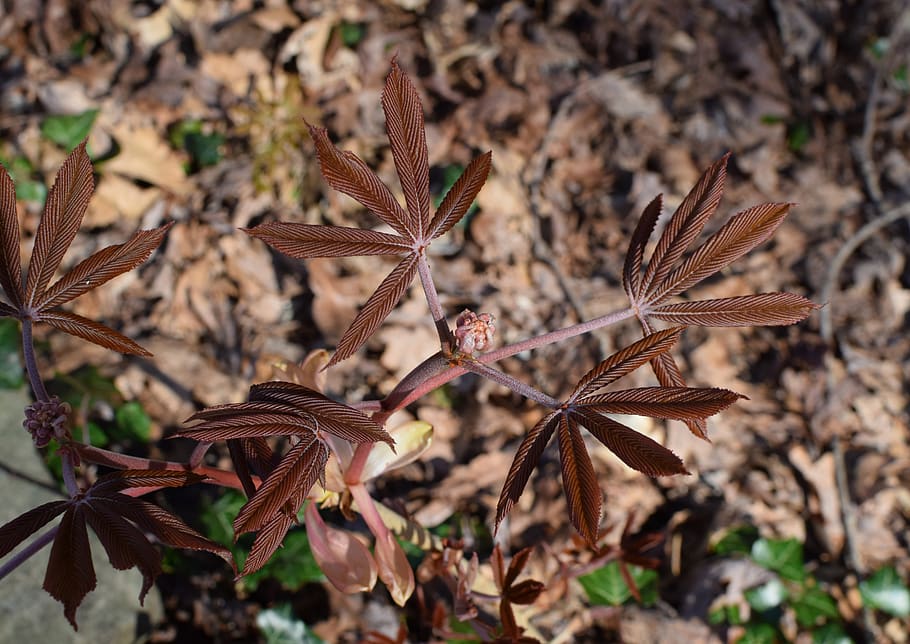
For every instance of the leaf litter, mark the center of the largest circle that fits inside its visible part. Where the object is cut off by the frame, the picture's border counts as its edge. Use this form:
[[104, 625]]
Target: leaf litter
[[617, 105]]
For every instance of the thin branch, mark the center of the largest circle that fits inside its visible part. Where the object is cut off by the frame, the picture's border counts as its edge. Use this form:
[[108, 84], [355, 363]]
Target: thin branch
[[31, 365], [26, 553], [863, 148], [829, 287], [512, 383], [422, 388], [126, 462], [446, 341]]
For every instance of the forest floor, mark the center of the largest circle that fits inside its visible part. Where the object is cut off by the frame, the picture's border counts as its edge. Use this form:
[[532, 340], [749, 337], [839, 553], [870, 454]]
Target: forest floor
[[196, 113]]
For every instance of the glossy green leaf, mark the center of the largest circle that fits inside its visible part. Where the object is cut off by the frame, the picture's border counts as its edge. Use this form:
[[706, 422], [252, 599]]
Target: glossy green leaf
[[133, 422], [767, 596], [760, 633], [830, 634], [292, 565], [606, 587], [217, 516], [68, 130], [783, 556], [352, 33], [33, 191], [813, 607], [737, 540], [886, 591], [204, 149]]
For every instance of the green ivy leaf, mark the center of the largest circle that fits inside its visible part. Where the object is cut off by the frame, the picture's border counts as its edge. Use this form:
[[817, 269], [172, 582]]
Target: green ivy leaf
[[204, 149], [22, 172], [292, 565], [737, 540], [885, 591], [814, 606], [132, 422], [68, 130], [217, 517], [352, 33], [606, 587], [11, 374], [783, 556], [767, 596], [30, 190], [830, 634], [760, 633]]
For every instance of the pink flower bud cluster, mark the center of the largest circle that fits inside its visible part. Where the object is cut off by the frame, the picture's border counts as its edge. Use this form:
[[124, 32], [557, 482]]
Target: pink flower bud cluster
[[46, 419], [474, 332]]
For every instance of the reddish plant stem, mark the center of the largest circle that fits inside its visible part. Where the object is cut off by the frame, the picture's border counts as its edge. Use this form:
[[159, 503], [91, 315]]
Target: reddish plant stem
[[419, 389], [68, 468], [358, 461], [127, 462], [509, 381], [446, 341], [26, 553], [368, 510], [31, 365], [367, 406]]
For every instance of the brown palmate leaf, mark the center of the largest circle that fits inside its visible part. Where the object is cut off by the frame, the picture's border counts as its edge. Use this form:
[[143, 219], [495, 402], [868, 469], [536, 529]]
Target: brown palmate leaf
[[525, 592], [66, 204], [734, 239], [297, 472], [676, 403], [271, 535], [518, 563], [166, 527], [583, 494], [125, 544], [685, 225], [461, 195], [305, 241], [669, 375], [10, 261], [244, 427], [103, 266], [626, 361], [124, 479], [631, 272], [244, 466], [407, 136], [762, 309], [526, 459], [70, 574], [92, 331], [331, 416], [376, 309], [14, 532], [112, 515], [345, 172], [634, 449]]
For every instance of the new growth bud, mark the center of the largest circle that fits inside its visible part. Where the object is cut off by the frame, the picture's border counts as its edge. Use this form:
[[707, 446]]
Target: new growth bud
[[46, 419], [474, 332]]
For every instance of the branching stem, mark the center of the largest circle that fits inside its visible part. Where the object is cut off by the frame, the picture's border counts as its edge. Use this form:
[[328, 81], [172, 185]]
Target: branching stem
[[26, 553], [420, 389], [31, 365], [446, 341]]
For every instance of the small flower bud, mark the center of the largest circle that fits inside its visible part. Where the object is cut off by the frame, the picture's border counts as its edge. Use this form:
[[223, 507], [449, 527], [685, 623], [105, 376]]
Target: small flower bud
[[474, 332], [46, 419]]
